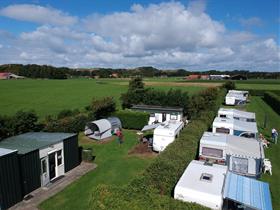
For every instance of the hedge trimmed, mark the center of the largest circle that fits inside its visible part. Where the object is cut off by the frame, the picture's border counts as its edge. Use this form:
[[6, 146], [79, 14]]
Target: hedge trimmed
[[154, 188], [255, 92], [272, 100], [132, 119]]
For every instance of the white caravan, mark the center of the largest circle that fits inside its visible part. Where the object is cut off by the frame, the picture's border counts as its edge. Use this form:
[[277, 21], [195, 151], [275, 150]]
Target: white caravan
[[202, 183], [235, 127], [242, 155], [237, 114], [165, 134]]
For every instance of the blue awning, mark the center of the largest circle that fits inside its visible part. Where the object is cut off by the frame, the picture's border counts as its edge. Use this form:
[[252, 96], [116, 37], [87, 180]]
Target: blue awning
[[247, 191]]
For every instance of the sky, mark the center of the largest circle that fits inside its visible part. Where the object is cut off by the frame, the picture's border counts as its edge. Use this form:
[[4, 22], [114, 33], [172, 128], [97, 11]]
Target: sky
[[194, 35]]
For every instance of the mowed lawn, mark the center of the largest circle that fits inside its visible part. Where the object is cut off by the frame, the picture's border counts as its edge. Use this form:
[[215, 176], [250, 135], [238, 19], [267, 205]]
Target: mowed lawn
[[115, 167], [48, 97], [261, 109]]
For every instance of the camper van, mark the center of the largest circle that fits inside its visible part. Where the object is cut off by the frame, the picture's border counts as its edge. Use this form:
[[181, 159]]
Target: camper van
[[165, 134], [242, 155], [235, 99], [244, 93], [202, 183], [237, 114], [235, 127]]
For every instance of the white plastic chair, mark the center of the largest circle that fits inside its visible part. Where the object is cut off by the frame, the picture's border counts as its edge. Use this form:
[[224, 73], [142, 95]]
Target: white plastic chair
[[267, 167]]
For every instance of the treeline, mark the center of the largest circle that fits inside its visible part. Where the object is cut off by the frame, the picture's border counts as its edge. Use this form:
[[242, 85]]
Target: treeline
[[36, 71], [50, 72]]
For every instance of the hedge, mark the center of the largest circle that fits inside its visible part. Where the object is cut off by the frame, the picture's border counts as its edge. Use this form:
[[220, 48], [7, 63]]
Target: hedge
[[255, 92], [154, 188], [272, 100], [132, 119]]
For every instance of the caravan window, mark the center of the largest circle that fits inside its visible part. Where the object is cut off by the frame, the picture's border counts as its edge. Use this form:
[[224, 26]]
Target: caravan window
[[59, 157], [248, 135], [236, 118], [152, 114], [211, 152], [222, 130], [223, 116], [239, 165]]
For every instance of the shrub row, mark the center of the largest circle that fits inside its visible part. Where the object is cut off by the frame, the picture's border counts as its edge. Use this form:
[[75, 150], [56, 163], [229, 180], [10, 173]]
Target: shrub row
[[154, 188], [132, 119], [255, 92], [273, 100]]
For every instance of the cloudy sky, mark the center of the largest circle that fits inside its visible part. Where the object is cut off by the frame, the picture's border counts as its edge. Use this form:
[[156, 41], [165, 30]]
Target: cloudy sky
[[195, 35]]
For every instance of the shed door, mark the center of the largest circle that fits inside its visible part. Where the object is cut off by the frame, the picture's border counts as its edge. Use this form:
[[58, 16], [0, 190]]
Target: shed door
[[45, 179]]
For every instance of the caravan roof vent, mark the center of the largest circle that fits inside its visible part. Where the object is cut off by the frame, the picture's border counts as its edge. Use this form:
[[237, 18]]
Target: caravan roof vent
[[206, 177]]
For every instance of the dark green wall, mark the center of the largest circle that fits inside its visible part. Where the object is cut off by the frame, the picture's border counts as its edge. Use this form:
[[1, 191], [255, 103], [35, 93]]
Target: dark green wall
[[10, 188], [71, 153], [30, 171]]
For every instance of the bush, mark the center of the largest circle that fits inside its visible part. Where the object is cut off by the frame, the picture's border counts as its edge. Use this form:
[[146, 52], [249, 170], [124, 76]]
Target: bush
[[272, 100], [132, 120], [255, 92], [102, 108], [229, 85], [67, 113]]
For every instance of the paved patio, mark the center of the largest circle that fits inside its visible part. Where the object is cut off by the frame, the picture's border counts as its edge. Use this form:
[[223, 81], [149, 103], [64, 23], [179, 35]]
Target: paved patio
[[44, 193]]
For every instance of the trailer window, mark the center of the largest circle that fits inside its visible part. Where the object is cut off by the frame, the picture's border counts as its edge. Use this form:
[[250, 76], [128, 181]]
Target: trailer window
[[222, 130], [173, 117], [211, 152], [59, 157], [223, 116]]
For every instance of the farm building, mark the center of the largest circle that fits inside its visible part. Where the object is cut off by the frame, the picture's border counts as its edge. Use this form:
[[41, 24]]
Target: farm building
[[243, 156], [193, 77], [203, 184], [235, 127], [42, 157], [10, 186], [103, 128], [219, 77], [165, 134], [246, 193], [8, 75], [160, 114], [237, 114], [238, 77]]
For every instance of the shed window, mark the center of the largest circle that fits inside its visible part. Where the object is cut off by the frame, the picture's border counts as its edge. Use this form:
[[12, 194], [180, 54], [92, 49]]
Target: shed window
[[212, 152], [59, 157], [173, 117], [206, 177]]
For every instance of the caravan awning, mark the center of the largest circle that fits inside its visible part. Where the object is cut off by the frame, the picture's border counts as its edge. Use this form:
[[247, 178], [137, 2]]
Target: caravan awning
[[150, 127], [247, 191]]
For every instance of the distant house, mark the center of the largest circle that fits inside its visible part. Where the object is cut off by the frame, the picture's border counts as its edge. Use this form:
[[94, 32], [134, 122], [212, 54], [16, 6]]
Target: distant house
[[193, 77], [238, 77], [4, 75], [8, 75], [114, 75]]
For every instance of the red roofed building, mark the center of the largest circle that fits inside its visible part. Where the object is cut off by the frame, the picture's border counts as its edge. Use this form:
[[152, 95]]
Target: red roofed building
[[5, 75]]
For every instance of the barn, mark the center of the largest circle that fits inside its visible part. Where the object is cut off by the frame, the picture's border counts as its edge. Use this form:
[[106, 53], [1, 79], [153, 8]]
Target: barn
[[42, 158]]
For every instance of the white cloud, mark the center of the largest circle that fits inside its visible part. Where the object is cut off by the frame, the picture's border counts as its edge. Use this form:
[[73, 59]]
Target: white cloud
[[37, 14], [252, 21], [167, 35]]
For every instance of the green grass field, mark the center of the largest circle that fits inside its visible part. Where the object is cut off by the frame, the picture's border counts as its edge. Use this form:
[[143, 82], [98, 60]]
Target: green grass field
[[115, 167], [48, 97], [261, 109]]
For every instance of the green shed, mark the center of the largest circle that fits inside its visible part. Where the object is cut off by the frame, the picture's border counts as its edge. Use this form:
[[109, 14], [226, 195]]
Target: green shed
[[43, 157], [10, 189]]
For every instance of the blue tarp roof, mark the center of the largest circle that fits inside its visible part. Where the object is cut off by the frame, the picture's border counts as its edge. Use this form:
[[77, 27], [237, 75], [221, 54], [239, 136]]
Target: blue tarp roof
[[247, 191]]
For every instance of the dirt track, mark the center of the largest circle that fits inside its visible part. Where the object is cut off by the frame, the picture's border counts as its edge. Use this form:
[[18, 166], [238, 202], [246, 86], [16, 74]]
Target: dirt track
[[202, 84]]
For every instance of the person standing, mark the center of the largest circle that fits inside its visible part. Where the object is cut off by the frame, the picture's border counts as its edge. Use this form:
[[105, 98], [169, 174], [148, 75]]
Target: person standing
[[119, 136], [274, 135]]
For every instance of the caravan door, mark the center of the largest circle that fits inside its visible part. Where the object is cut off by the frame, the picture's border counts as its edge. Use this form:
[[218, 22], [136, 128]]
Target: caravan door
[[45, 179]]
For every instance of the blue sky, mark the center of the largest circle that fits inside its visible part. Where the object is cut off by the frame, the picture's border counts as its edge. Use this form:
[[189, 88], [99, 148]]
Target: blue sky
[[196, 35]]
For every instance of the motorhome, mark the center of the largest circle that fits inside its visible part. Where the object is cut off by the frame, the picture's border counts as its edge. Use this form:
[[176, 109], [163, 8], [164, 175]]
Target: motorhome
[[165, 134]]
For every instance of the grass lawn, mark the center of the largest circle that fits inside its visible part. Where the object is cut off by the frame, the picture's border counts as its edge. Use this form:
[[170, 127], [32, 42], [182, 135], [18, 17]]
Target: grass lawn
[[48, 97], [261, 109], [115, 167]]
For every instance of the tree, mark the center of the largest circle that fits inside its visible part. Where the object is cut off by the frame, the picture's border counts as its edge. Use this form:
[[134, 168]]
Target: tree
[[229, 85]]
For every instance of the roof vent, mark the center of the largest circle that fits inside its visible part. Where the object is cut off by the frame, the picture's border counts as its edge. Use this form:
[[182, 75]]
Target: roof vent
[[206, 177]]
